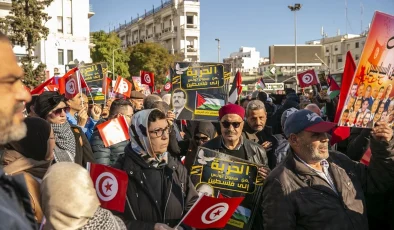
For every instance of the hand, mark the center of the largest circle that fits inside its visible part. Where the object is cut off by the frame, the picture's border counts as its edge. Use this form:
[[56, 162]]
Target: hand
[[182, 134], [105, 112], [95, 112], [266, 145], [263, 172], [82, 117], [382, 131], [159, 226], [170, 117]]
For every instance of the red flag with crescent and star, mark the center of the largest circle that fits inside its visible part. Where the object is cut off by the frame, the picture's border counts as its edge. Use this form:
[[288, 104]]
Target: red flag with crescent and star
[[147, 78], [110, 185], [69, 85], [211, 212], [123, 86], [307, 78]]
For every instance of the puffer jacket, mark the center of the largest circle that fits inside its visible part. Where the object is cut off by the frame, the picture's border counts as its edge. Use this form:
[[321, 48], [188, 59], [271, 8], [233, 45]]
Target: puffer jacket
[[141, 211], [295, 197], [106, 155]]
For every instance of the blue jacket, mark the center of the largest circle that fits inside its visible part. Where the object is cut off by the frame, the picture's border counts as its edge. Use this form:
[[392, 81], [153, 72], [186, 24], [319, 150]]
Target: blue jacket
[[88, 129]]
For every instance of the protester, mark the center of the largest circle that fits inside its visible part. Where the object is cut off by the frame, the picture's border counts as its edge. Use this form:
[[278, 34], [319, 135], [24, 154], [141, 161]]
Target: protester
[[30, 106], [31, 157], [150, 100], [75, 208], [137, 100], [109, 155], [164, 189], [292, 101], [71, 143], [316, 188], [78, 114], [167, 98], [314, 108]]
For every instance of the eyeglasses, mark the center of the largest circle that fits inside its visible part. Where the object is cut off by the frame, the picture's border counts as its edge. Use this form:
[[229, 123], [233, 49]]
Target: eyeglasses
[[204, 139], [59, 111], [160, 132], [227, 124], [129, 116]]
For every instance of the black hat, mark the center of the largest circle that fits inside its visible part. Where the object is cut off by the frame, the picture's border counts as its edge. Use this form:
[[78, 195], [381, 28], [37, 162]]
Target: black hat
[[46, 102]]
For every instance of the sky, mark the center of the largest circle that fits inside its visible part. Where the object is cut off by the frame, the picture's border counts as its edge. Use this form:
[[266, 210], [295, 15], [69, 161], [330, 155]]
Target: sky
[[253, 23]]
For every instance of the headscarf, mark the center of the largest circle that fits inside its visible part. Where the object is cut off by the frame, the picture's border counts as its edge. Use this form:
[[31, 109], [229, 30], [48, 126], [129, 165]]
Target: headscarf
[[47, 101], [34, 145], [206, 128], [140, 141], [68, 196]]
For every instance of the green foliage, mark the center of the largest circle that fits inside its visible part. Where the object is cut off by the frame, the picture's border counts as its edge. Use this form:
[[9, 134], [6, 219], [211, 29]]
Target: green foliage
[[151, 57], [105, 44], [25, 27]]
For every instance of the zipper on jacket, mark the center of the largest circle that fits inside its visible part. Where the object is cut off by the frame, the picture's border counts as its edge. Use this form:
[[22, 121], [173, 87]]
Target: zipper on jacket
[[131, 209], [183, 198], [165, 208]]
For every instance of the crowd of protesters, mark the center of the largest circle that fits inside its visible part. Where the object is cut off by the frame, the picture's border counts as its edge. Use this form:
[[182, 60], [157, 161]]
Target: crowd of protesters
[[309, 183]]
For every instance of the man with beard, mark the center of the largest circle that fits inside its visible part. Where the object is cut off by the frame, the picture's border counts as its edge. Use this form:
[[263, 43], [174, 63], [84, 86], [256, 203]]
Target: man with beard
[[316, 188], [179, 102], [15, 208], [386, 100]]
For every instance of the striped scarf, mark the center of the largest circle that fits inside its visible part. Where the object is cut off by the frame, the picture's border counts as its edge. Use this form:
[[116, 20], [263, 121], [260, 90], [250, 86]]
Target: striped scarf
[[65, 142]]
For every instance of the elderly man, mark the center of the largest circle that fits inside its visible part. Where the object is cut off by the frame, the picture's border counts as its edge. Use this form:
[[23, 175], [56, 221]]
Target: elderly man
[[314, 108], [255, 129], [231, 142], [137, 99], [316, 188], [15, 208]]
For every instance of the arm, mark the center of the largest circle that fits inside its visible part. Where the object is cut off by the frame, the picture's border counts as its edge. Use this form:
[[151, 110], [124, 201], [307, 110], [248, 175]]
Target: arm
[[100, 153], [358, 143], [88, 129], [278, 211]]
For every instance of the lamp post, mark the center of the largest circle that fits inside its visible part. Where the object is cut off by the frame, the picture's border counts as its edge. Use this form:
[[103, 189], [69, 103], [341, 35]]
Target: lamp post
[[295, 8], [218, 40], [113, 63]]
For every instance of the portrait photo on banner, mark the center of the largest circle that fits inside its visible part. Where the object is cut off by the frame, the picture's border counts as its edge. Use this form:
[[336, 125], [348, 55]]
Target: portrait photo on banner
[[371, 96]]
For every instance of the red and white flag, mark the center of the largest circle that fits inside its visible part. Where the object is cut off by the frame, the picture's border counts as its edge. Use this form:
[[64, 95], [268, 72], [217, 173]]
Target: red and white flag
[[307, 78], [72, 83], [41, 88], [110, 185], [210, 212], [114, 131], [52, 87], [147, 78], [106, 83], [123, 86]]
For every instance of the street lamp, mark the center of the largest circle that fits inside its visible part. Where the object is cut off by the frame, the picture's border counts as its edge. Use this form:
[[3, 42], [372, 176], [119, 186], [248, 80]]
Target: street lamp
[[113, 63], [218, 40], [295, 8]]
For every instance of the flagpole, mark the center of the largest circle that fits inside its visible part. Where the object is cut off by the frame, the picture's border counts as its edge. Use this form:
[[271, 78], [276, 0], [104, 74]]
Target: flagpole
[[79, 85], [184, 217]]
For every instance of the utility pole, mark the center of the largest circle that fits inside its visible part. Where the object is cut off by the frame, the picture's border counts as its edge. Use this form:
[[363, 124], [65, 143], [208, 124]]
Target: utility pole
[[295, 8], [218, 40]]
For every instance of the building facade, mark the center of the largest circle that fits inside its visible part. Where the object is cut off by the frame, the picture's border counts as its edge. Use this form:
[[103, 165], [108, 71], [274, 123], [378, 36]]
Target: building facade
[[69, 34], [175, 24], [245, 60]]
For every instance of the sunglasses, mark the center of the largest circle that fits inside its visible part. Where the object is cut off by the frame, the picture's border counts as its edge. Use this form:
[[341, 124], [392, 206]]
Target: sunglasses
[[59, 111], [227, 124]]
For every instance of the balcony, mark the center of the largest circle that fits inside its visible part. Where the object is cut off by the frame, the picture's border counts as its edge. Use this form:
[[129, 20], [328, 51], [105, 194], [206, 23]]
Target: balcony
[[90, 13]]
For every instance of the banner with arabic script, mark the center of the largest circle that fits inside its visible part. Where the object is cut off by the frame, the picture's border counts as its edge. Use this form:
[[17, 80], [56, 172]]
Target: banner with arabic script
[[371, 96], [199, 90], [217, 174], [93, 75]]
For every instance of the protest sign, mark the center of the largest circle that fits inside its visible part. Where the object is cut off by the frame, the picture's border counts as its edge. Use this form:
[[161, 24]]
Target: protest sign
[[214, 173], [370, 98], [93, 75], [199, 90]]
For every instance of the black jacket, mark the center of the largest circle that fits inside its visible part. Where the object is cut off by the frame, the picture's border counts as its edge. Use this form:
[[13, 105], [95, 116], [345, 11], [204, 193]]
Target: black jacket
[[83, 151], [358, 144], [143, 212], [105, 155]]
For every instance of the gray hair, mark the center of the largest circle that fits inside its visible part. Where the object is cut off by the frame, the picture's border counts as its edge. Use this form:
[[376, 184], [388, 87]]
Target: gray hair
[[254, 105], [150, 100]]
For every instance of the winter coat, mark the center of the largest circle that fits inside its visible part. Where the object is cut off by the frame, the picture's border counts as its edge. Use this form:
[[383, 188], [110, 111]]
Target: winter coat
[[142, 211], [106, 155], [295, 197]]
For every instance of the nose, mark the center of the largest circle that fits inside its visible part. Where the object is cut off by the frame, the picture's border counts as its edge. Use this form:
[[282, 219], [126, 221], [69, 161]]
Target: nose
[[21, 93]]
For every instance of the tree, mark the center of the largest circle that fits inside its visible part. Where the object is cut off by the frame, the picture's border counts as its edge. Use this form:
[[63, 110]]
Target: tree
[[106, 45], [151, 57], [25, 27]]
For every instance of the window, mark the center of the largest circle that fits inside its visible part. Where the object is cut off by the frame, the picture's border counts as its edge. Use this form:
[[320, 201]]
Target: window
[[69, 25], [189, 20], [60, 56], [60, 24], [327, 50], [357, 44], [339, 59], [70, 56], [357, 56], [336, 48]]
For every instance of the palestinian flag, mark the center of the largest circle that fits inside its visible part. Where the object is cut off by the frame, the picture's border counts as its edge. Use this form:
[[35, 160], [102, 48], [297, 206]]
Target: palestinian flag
[[167, 81], [243, 214], [236, 88], [333, 88], [208, 102], [260, 84]]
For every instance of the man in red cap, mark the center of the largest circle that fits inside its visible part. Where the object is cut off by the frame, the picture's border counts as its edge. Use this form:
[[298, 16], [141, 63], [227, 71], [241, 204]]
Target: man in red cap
[[231, 142]]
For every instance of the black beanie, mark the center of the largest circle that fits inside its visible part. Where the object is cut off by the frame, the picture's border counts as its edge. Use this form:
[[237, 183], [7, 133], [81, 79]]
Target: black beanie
[[46, 102]]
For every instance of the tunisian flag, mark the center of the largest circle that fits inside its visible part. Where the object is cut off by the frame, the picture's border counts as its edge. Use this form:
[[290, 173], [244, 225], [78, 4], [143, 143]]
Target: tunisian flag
[[123, 86], [307, 78], [210, 212], [110, 185], [147, 78], [41, 88], [69, 84], [114, 131]]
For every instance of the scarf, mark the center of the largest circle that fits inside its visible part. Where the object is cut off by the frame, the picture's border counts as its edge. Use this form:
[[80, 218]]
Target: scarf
[[14, 163], [140, 141], [65, 142]]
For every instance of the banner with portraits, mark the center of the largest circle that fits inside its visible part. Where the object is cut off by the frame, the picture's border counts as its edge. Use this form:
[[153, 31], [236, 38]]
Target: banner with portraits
[[93, 75], [371, 96], [220, 175], [199, 90]]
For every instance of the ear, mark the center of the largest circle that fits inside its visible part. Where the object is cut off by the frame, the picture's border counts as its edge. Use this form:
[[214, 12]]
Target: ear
[[68, 102], [293, 139]]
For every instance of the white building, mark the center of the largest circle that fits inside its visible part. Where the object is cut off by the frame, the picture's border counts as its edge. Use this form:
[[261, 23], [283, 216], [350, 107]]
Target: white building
[[247, 59], [69, 34], [175, 24]]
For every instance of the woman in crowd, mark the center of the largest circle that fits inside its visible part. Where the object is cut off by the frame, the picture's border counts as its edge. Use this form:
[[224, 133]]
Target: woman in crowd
[[159, 191], [69, 201], [31, 156], [71, 143]]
